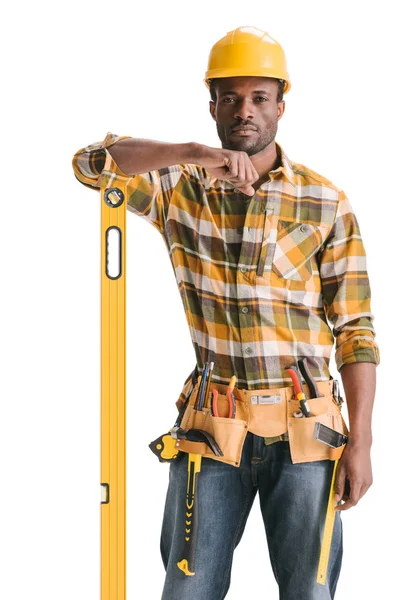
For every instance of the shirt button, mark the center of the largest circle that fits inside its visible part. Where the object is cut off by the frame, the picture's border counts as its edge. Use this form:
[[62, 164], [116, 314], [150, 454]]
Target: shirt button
[[243, 269], [248, 350], [245, 309], [303, 228]]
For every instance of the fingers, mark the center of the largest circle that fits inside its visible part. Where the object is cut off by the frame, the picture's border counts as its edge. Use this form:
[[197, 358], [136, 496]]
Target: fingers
[[353, 477], [340, 482], [340, 490], [236, 169], [241, 168], [242, 173], [232, 166], [243, 176], [248, 190], [251, 172], [352, 499], [357, 491]]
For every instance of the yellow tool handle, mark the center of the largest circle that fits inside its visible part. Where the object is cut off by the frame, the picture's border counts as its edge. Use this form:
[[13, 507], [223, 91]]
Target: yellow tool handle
[[232, 382], [191, 516], [328, 531]]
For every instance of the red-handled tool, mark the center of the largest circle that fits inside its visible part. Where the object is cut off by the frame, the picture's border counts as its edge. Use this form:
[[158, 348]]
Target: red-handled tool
[[308, 378], [298, 389], [214, 402], [231, 400]]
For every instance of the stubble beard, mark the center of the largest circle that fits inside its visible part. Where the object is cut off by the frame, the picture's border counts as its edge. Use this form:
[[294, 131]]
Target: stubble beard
[[248, 144]]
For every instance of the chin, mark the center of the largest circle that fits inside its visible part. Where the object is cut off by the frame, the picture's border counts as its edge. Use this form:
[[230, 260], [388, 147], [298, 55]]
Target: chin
[[239, 145]]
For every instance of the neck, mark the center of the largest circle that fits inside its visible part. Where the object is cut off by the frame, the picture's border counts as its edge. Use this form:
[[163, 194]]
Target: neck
[[265, 161]]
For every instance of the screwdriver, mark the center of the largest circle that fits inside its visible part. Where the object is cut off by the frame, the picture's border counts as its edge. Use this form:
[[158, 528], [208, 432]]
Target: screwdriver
[[207, 404], [202, 385]]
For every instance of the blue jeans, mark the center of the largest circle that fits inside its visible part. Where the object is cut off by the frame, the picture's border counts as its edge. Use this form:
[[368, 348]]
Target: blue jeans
[[293, 501]]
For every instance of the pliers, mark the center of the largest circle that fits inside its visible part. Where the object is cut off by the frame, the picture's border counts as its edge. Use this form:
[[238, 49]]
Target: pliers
[[309, 379], [298, 386], [231, 400]]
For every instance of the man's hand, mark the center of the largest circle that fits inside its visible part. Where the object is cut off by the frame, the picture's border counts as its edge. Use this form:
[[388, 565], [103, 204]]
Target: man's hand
[[355, 467], [229, 165]]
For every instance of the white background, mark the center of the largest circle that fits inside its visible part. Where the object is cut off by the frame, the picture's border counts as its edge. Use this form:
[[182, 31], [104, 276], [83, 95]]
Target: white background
[[72, 72]]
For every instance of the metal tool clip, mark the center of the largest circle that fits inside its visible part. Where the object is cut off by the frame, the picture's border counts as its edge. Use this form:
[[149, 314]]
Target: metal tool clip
[[174, 432], [336, 393], [266, 399]]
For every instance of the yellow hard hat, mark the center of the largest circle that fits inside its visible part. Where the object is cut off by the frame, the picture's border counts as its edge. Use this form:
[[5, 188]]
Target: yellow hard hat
[[247, 51]]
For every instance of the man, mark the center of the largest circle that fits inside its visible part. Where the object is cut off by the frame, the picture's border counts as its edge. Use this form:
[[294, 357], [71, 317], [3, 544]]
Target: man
[[265, 252]]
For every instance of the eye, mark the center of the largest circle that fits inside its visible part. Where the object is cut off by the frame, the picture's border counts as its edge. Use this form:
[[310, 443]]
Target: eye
[[226, 100]]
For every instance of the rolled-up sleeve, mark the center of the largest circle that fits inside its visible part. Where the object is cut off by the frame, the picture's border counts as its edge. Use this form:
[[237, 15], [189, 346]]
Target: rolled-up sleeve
[[148, 194], [94, 166], [346, 289]]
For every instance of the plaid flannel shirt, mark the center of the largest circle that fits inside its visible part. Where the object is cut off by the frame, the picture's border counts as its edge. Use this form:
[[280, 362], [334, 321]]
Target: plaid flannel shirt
[[264, 280]]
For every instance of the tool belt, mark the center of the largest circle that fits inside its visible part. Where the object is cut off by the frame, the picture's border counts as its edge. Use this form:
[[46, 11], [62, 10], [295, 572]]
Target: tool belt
[[265, 412]]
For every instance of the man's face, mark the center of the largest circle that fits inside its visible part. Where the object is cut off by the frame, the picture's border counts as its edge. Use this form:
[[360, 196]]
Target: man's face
[[247, 102]]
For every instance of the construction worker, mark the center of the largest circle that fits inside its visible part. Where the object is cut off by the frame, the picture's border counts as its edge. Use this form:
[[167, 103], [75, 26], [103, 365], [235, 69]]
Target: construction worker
[[271, 268]]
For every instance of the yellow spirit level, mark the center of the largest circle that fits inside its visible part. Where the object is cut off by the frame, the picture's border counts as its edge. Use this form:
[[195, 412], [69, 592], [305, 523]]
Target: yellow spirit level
[[113, 390]]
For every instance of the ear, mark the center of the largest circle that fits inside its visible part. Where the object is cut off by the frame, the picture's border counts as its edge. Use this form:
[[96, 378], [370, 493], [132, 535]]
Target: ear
[[212, 109], [281, 109]]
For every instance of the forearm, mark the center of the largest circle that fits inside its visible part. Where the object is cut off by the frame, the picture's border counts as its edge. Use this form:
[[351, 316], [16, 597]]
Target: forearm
[[134, 156], [359, 382]]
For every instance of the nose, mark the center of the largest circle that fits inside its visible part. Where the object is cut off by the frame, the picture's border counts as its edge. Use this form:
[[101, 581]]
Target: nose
[[244, 109]]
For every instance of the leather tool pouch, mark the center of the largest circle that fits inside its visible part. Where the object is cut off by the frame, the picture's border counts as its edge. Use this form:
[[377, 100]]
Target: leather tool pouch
[[264, 420], [303, 446], [228, 433]]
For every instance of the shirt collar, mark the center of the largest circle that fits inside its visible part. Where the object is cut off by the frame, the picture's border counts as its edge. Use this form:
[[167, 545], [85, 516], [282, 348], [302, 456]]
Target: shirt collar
[[285, 167]]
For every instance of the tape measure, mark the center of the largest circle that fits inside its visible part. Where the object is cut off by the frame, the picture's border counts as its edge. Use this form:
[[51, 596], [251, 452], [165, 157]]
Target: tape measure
[[328, 531]]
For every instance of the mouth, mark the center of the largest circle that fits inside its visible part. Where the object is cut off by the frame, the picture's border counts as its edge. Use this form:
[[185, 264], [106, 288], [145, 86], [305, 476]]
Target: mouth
[[243, 131]]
